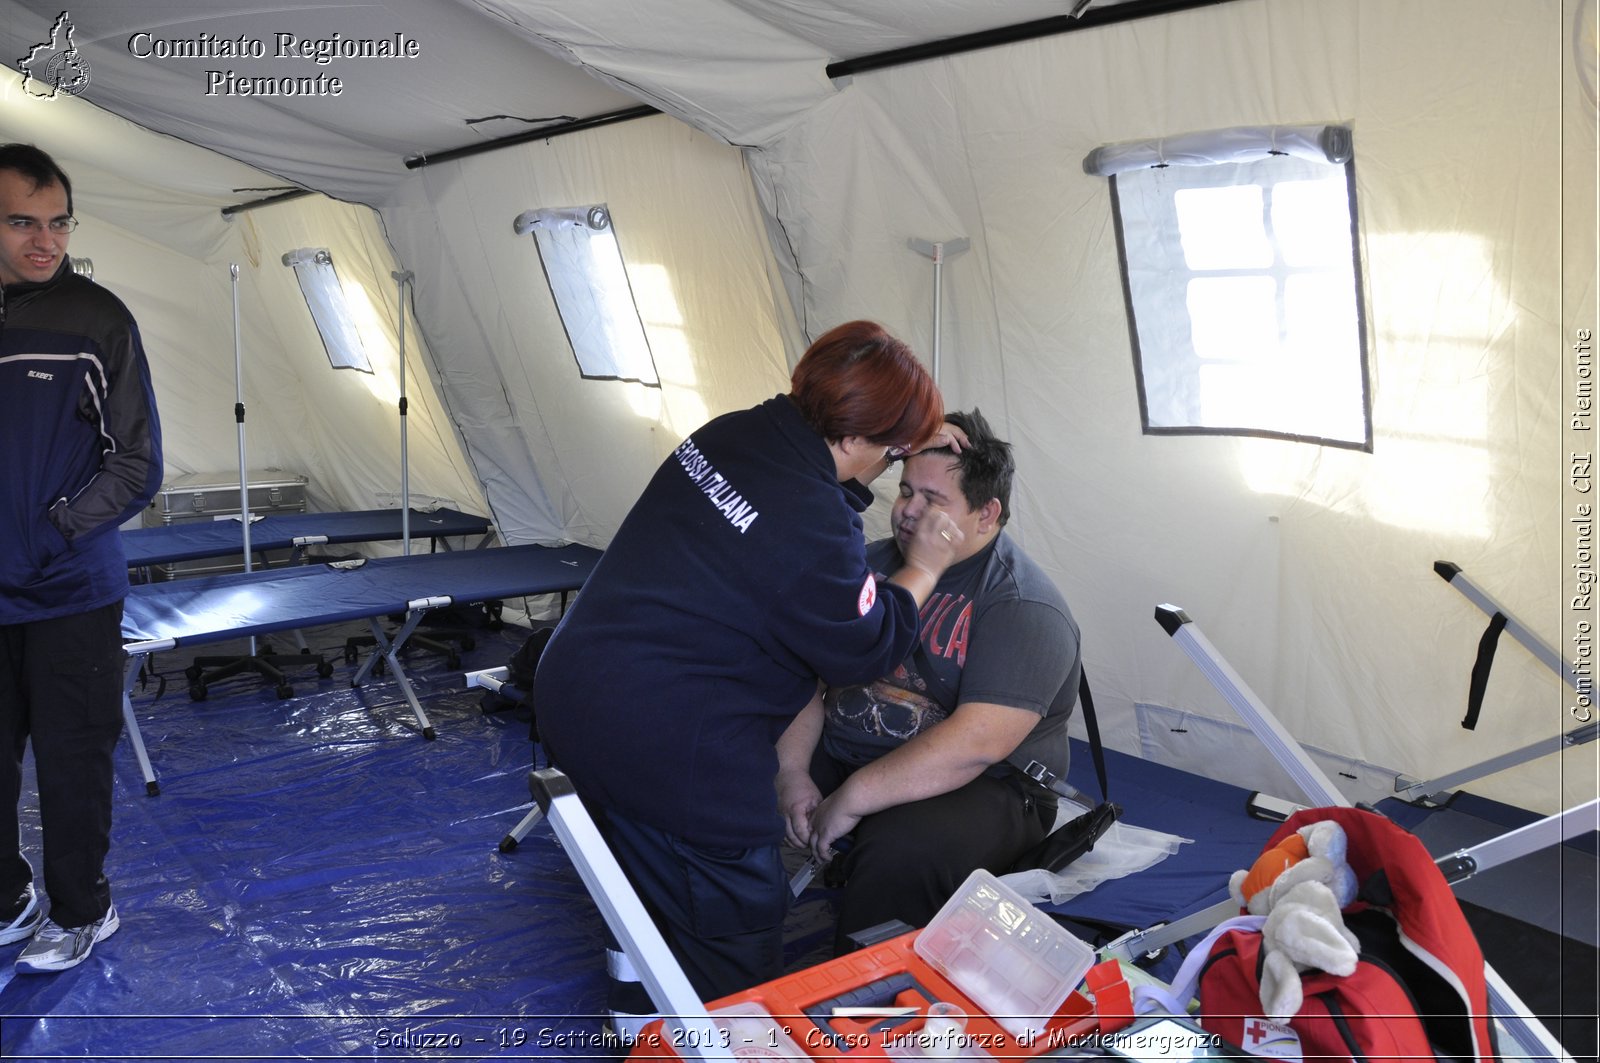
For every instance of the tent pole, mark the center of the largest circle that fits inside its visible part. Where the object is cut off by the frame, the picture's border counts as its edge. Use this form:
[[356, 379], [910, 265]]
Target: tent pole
[[402, 279], [238, 418], [938, 252], [1077, 19]]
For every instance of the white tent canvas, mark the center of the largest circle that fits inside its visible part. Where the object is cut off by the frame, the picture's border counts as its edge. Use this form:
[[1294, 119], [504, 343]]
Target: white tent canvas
[[770, 201]]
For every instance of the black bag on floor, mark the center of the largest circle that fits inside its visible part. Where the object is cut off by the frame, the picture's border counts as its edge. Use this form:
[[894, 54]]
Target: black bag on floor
[[516, 697]]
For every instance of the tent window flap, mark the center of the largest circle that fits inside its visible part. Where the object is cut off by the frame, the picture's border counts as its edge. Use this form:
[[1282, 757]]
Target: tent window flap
[[1242, 280], [319, 283], [583, 265]]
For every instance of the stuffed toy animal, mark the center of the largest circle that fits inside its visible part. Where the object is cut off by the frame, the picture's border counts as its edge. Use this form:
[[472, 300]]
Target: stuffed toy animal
[[1301, 885]]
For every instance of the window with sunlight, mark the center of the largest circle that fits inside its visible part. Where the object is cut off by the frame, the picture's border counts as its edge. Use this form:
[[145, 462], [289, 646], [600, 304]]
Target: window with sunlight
[[1242, 277], [583, 266], [319, 283]]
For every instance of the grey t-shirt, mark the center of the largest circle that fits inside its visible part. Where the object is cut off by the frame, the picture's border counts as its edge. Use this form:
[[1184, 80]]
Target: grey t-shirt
[[994, 630]]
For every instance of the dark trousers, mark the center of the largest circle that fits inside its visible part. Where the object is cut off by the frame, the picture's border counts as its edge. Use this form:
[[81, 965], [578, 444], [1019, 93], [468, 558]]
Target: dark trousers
[[907, 861], [720, 910], [61, 689]]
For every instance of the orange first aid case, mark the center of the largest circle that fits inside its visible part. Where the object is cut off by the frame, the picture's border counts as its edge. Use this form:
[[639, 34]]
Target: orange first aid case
[[793, 1016]]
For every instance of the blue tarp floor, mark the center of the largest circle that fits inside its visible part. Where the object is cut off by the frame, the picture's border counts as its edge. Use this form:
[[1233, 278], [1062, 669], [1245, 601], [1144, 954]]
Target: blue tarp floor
[[317, 881]]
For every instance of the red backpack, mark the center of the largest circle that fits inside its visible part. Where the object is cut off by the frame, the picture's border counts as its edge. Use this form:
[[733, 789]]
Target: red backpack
[[1418, 991]]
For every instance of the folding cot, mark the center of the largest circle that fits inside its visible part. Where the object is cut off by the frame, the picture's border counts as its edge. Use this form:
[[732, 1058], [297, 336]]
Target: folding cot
[[292, 531], [161, 616]]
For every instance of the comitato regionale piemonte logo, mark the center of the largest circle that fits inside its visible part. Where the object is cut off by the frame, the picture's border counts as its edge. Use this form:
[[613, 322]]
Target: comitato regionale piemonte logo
[[55, 67]]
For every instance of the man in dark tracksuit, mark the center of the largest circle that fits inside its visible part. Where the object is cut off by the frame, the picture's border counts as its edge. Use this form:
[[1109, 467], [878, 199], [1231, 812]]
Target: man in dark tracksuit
[[82, 449]]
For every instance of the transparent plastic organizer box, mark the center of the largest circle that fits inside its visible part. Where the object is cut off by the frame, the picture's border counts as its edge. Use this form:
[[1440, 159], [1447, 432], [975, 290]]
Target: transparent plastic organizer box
[[1005, 955]]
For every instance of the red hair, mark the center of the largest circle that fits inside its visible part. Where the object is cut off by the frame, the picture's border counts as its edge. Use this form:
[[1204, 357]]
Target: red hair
[[857, 380]]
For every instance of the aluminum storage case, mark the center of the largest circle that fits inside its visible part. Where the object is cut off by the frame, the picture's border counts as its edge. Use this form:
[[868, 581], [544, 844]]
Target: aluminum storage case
[[199, 496]]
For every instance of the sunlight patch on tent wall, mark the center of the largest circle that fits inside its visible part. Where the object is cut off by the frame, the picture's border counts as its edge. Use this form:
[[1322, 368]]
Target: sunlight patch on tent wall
[[1241, 274], [377, 334], [1444, 308], [678, 401], [325, 297], [584, 268]]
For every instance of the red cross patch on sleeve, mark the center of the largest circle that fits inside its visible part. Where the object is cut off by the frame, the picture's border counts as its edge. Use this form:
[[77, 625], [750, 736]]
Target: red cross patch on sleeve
[[869, 595]]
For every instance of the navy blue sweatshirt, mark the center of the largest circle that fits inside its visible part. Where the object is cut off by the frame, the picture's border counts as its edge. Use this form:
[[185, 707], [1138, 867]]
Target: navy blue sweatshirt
[[81, 444], [737, 580]]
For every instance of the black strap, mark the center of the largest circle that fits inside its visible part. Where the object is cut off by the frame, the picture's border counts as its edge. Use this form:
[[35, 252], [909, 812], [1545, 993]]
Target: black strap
[[1480, 668], [1090, 724]]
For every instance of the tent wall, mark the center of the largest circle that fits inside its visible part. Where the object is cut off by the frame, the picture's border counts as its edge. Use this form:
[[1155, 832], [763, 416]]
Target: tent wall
[[562, 457], [345, 423], [1310, 568], [152, 224]]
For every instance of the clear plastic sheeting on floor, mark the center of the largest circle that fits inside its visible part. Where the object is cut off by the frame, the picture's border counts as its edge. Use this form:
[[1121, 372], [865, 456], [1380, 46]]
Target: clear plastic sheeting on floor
[[317, 881]]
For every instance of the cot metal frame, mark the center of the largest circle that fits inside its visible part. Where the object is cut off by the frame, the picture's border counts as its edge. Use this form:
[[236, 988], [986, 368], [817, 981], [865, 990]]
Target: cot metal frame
[[1436, 791], [494, 679], [387, 649], [1514, 1016], [693, 1033]]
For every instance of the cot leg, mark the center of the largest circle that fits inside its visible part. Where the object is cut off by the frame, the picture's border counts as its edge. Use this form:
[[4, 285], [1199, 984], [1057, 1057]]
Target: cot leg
[[522, 829], [390, 650], [130, 673], [380, 646]]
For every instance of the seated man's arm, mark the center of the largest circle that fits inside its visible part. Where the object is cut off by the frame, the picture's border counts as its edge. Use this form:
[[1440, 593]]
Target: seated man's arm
[[797, 794], [942, 758]]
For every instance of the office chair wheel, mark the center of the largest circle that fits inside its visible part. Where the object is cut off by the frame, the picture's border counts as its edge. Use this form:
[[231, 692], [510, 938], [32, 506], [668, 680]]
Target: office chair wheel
[[197, 691], [285, 691], [193, 672], [325, 669]]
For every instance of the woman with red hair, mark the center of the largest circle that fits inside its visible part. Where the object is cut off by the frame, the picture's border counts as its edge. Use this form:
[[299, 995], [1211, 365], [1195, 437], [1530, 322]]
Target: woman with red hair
[[738, 581]]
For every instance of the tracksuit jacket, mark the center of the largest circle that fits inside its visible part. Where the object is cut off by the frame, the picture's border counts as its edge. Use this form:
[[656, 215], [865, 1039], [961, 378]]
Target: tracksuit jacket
[[737, 580], [81, 445]]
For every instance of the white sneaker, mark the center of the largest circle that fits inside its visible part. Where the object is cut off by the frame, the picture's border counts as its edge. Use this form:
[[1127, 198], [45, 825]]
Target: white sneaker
[[55, 948], [26, 921]]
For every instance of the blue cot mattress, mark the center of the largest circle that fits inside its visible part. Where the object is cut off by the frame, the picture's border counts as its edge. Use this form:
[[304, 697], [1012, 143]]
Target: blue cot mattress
[[241, 604], [220, 538]]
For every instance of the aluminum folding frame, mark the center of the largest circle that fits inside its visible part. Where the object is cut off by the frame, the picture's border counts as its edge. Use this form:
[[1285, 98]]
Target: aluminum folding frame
[[1436, 791], [1508, 1009], [692, 1031]]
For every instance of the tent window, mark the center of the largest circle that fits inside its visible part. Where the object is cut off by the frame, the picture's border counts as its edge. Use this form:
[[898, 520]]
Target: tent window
[[583, 265], [319, 283], [1242, 277]]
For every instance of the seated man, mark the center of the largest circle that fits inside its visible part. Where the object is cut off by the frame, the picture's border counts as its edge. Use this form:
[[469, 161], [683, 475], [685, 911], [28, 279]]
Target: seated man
[[924, 765]]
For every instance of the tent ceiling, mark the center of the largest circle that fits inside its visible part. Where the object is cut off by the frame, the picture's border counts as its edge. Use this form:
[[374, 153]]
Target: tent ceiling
[[352, 145], [741, 69]]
